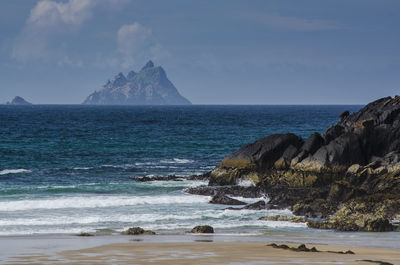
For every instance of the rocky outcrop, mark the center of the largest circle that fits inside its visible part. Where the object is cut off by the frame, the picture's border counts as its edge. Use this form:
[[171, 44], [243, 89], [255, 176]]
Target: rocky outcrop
[[18, 101], [220, 198], [235, 191], [202, 229], [329, 175], [150, 86], [304, 248], [362, 214], [137, 231], [284, 218]]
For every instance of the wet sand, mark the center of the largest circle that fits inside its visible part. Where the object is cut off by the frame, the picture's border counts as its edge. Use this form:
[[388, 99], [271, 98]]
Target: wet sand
[[231, 253]]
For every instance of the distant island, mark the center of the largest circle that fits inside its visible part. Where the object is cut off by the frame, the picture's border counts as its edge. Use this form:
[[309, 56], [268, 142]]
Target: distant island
[[18, 101], [150, 86]]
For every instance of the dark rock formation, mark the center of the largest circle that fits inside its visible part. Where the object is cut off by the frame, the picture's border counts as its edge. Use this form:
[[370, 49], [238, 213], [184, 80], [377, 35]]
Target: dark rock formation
[[294, 219], [353, 162], [304, 248], [235, 191], [203, 229], [205, 176], [220, 198], [260, 205], [18, 101], [138, 231], [150, 86]]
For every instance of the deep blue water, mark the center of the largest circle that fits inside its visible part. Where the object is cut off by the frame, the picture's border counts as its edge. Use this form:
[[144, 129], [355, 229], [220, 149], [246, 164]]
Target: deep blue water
[[65, 169]]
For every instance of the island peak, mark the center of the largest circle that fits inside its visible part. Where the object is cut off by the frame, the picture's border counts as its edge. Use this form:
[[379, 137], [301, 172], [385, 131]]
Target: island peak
[[150, 86], [18, 101], [149, 64]]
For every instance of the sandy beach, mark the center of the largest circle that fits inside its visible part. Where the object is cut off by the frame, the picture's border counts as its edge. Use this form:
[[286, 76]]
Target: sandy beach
[[185, 249], [210, 253]]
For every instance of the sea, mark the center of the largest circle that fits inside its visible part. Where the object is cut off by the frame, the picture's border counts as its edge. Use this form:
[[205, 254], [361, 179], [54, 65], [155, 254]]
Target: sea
[[66, 169]]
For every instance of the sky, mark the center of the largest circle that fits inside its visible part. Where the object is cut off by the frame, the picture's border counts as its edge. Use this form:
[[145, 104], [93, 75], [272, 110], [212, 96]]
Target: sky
[[214, 51]]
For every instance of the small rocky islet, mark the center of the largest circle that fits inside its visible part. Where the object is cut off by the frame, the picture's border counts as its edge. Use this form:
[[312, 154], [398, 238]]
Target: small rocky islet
[[348, 177], [18, 101]]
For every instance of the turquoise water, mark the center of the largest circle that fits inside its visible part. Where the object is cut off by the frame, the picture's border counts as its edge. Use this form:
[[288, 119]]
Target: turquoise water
[[68, 169]]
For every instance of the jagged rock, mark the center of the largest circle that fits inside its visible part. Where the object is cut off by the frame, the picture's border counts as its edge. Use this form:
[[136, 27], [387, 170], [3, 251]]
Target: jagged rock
[[260, 205], [356, 160], [235, 191], [304, 248], [220, 198], [150, 86], [137, 231], [247, 162], [203, 229], [18, 101], [205, 176], [294, 219], [371, 215]]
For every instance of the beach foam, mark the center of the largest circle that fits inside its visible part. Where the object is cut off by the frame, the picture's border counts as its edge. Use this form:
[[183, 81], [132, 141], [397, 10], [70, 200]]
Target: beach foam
[[14, 171], [99, 201]]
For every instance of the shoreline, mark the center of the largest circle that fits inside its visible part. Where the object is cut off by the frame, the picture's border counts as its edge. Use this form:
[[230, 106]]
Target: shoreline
[[20, 249], [205, 252]]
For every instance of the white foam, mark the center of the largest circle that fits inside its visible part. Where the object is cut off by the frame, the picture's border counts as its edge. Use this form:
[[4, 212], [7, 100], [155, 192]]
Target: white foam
[[245, 183], [176, 161], [14, 171], [252, 200], [51, 220], [99, 201], [183, 183], [35, 231], [82, 168]]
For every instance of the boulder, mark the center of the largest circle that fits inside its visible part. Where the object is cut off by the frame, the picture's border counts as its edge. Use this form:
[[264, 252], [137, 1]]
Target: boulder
[[138, 231], [260, 205], [247, 162], [202, 229], [220, 198]]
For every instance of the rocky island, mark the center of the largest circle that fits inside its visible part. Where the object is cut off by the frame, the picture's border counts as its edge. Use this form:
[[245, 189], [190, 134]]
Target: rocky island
[[346, 179], [150, 86], [18, 101]]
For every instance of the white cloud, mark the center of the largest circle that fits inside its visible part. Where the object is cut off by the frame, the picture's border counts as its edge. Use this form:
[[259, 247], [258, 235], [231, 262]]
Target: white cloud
[[132, 38], [135, 45], [48, 20], [52, 15]]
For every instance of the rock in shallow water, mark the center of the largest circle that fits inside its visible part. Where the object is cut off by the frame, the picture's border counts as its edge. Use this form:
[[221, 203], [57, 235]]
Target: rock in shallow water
[[202, 229], [220, 198], [137, 231]]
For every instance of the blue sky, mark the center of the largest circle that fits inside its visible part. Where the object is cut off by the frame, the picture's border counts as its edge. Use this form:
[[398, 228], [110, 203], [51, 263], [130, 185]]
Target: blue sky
[[215, 52]]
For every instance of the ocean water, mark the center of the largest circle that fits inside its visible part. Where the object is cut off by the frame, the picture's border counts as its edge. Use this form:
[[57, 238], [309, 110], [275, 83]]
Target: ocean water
[[69, 169]]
